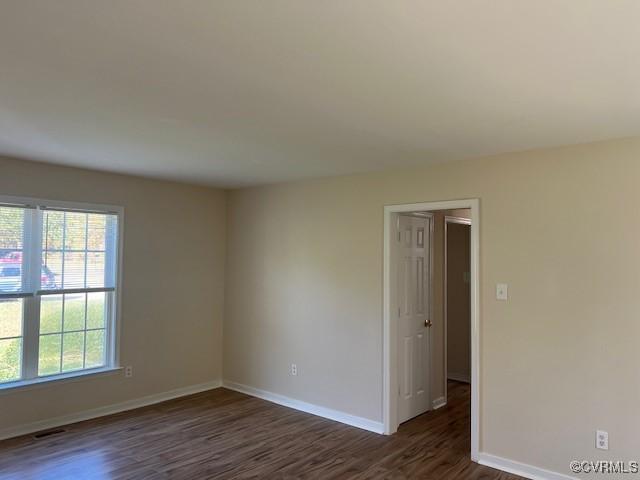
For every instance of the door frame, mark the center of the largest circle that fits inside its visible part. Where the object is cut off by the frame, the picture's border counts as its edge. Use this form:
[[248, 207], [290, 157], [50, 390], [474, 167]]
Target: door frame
[[390, 321], [447, 220]]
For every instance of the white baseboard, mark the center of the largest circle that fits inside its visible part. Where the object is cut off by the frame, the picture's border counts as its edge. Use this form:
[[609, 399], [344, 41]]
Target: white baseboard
[[522, 469], [106, 410], [354, 421], [459, 377], [438, 403]]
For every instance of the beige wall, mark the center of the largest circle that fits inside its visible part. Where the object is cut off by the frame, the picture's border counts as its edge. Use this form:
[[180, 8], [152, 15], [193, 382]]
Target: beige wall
[[173, 281], [559, 359], [458, 300]]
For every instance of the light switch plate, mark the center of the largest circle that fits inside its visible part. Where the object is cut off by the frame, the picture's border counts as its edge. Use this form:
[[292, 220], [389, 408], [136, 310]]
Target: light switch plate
[[502, 291]]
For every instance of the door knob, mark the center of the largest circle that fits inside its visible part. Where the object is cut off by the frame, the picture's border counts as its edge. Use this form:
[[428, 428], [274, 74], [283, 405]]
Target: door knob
[[427, 323]]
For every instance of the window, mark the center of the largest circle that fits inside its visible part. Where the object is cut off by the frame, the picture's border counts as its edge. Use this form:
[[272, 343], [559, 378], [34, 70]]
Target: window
[[58, 288]]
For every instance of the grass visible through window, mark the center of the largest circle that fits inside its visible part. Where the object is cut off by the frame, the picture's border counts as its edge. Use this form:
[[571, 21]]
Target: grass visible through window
[[59, 351], [64, 346], [10, 339]]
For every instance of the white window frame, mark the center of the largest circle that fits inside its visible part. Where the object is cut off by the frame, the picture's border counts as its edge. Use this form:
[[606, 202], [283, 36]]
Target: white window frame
[[31, 306]]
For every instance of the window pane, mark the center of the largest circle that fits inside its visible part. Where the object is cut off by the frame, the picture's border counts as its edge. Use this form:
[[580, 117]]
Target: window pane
[[52, 264], [49, 354], [74, 310], [53, 230], [10, 348], [72, 351], [75, 231], [95, 310], [11, 244], [11, 228], [10, 359], [95, 270], [78, 250], [96, 232], [51, 314], [11, 318], [73, 270], [48, 279], [94, 355]]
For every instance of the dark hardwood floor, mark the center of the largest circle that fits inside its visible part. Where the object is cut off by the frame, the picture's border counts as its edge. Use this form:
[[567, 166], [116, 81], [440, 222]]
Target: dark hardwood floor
[[222, 434]]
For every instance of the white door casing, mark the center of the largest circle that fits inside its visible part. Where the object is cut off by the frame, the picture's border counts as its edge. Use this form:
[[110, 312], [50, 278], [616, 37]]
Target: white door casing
[[413, 242], [390, 318]]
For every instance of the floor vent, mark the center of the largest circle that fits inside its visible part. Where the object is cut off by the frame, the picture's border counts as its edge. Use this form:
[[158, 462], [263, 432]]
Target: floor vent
[[49, 433]]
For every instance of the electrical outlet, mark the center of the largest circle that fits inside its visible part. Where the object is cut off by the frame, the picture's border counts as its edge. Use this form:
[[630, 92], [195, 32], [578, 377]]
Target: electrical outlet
[[294, 369], [502, 291], [128, 371], [602, 440]]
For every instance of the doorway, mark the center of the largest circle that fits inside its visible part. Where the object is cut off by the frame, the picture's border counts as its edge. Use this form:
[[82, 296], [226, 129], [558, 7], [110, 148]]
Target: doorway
[[457, 304], [406, 332]]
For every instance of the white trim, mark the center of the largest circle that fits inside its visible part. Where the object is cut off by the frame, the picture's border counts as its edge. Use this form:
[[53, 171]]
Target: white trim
[[106, 410], [439, 403], [336, 415], [447, 220], [460, 220], [459, 377], [432, 228], [44, 293], [74, 376], [390, 383], [116, 327], [522, 469], [33, 202], [31, 305]]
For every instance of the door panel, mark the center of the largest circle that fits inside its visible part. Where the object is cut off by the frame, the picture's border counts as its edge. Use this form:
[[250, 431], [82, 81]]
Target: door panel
[[405, 285], [420, 286], [420, 349], [414, 302], [408, 373]]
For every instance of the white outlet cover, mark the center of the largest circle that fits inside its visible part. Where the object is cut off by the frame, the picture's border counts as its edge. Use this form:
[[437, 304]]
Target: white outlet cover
[[502, 291], [602, 440]]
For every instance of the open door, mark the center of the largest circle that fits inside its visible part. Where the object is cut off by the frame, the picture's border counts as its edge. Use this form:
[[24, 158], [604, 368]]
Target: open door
[[413, 248]]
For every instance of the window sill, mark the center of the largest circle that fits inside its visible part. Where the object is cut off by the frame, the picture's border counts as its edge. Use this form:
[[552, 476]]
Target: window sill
[[12, 387]]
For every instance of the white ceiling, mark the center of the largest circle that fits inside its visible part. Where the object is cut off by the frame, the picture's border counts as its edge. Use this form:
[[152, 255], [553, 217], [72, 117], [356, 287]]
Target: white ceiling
[[239, 92]]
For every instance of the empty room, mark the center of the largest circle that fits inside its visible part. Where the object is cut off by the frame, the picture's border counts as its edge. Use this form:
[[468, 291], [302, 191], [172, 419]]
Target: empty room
[[287, 239]]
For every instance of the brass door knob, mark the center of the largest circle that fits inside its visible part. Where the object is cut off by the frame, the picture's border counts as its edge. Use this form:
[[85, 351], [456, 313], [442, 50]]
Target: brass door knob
[[428, 323]]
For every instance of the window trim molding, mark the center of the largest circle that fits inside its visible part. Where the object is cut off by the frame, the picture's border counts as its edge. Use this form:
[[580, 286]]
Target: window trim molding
[[113, 334], [48, 380]]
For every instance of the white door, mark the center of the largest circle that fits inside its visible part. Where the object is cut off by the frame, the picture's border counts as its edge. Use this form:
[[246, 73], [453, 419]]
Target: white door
[[413, 295]]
